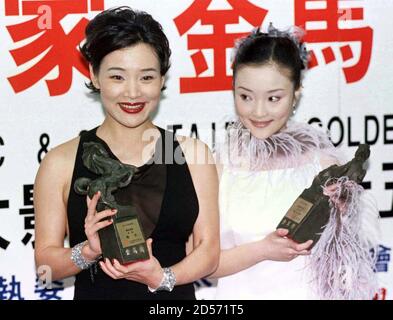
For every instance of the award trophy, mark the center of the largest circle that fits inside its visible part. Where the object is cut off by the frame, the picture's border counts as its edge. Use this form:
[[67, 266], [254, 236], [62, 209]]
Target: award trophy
[[123, 239], [310, 212]]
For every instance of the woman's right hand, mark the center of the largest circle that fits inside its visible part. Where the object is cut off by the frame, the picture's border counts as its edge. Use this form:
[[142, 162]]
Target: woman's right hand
[[95, 221], [278, 247]]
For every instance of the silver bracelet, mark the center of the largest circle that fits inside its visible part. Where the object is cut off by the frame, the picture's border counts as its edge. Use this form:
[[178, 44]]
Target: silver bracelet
[[167, 283], [77, 257]]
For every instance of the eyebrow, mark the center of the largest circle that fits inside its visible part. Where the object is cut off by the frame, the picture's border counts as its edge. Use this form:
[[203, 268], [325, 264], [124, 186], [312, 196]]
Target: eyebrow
[[244, 89], [122, 69], [270, 91], [274, 90], [149, 69]]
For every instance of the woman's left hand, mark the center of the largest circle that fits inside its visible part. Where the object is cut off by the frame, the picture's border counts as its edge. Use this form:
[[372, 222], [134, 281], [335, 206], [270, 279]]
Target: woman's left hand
[[148, 271]]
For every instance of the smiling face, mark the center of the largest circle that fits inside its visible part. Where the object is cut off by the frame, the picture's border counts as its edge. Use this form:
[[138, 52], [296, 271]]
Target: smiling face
[[264, 98], [130, 85]]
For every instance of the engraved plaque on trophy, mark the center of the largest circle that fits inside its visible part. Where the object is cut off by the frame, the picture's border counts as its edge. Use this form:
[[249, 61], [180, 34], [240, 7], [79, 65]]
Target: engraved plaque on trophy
[[310, 212], [124, 239]]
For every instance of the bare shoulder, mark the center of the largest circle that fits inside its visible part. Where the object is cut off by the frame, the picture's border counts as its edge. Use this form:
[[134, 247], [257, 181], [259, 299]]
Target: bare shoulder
[[201, 164], [195, 151], [62, 155], [190, 143], [57, 167]]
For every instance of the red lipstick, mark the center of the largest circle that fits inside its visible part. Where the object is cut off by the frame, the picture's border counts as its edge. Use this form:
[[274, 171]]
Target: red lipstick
[[132, 108]]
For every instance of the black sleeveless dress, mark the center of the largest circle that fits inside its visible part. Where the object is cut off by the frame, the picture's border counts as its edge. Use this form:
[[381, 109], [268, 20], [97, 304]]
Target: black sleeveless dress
[[167, 205]]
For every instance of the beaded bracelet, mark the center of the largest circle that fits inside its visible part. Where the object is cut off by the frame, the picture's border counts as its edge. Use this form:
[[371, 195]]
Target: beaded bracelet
[[77, 257]]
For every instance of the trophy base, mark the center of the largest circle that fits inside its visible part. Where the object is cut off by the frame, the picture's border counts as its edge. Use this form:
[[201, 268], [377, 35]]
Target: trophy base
[[124, 241], [306, 220]]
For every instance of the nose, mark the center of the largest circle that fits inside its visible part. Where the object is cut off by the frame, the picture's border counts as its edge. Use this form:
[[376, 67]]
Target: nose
[[132, 89], [260, 109]]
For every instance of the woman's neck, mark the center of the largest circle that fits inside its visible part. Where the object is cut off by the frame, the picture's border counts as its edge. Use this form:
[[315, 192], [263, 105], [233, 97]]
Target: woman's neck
[[131, 145]]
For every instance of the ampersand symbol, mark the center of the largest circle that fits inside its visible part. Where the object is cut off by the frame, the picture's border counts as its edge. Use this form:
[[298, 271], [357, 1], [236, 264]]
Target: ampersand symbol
[[44, 142], [1, 158]]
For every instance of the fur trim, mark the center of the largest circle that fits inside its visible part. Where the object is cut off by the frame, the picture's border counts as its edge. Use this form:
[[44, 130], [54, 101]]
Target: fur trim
[[342, 263], [291, 147]]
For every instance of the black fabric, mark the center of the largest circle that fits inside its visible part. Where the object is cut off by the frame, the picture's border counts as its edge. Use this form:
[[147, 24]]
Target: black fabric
[[167, 204]]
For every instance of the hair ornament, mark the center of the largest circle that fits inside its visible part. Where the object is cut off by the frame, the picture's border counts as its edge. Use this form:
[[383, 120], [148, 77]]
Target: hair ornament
[[294, 33]]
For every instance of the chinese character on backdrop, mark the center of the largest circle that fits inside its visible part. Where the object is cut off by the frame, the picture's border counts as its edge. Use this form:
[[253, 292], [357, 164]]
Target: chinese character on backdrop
[[45, 293], [203, 283], [331, 16], [383, 259], [388, 186], [381, 266], [381, 294], [4, 204], [49, 35], [4, 243], [28, 213], [218, 41], [11, 290]]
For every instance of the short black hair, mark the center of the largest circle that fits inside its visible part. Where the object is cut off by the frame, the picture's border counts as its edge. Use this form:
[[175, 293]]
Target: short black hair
[[260, 48], [119, 28]]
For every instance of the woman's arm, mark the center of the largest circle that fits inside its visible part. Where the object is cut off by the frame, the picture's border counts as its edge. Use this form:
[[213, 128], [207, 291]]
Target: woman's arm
[[203, 259], [50, 212], [51, 190], [275, 246]]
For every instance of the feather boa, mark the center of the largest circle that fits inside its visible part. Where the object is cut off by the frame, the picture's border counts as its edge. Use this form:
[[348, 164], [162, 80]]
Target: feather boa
[[291, 147], [342, 263]]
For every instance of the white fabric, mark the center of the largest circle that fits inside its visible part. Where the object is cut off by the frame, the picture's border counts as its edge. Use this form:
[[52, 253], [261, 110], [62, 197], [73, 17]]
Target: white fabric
[[251, 206]]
